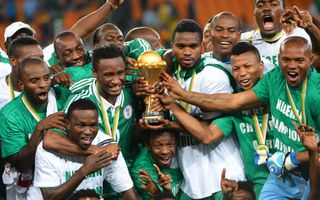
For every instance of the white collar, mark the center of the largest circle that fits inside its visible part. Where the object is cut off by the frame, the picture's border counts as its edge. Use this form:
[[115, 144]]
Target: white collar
[[119, 101]]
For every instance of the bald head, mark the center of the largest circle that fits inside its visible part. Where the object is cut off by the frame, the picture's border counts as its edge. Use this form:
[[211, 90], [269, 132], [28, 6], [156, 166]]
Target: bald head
[[108, 34], [146, 33], [226, 14], [297, 42]]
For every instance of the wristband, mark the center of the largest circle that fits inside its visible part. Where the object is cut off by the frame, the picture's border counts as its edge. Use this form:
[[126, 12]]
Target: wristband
[[290, 161]]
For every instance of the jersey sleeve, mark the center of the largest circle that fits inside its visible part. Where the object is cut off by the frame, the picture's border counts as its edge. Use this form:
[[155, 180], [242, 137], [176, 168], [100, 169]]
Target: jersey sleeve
[[46, 173], [12, 136], [117, 175], [135, 47], [261, 89], [225, 124]]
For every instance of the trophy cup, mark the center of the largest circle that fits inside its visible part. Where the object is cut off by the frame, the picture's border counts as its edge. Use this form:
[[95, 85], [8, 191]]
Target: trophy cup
[[150, 65]]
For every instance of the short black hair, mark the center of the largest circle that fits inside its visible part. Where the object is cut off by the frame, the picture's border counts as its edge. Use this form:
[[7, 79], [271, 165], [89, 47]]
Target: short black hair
[[96, 38], [244, 47], [16, 45], [225, 14], [84, 193], [32, 60], [61, 35], [187, 25], [106, 52], [149, 134], [81, 104]]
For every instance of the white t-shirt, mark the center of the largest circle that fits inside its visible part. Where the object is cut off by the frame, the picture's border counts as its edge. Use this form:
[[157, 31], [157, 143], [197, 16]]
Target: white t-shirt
[[5, 67], [201, 164], [267, 50], [5, 92], [52, 170]]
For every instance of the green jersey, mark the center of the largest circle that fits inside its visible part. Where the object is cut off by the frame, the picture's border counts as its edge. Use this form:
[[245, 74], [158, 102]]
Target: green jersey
[[17, 123], [86, 89], [145, 161], [243, 125], [271, 89], [78, 73], [133, 49]]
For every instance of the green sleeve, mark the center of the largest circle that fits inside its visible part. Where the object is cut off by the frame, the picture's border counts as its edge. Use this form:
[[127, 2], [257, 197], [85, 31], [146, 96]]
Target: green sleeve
[[161, 52], [62, 95], [12, 136], [225, 124], [78, 73], [135, 47], [261, 89]]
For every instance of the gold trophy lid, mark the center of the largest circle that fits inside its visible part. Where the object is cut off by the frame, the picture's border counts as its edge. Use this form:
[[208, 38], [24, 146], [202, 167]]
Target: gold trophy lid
[[150, 59]]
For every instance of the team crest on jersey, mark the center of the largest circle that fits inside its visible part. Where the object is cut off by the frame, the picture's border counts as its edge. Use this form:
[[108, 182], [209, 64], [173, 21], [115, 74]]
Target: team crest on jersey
[[127, 112]]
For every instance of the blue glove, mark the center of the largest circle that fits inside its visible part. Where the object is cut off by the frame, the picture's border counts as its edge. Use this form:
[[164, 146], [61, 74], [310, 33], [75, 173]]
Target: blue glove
[[290, 161], [275, 162]]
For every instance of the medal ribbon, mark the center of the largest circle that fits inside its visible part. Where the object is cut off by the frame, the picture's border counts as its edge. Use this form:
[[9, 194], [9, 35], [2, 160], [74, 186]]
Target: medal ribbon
[[105, 117], [303, 98], [261, 133], [186, 106], [12, 96], [30, 108]]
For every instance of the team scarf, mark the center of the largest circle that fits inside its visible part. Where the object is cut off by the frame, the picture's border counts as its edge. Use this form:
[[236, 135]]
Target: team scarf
[[261, 132], [51, 107], [106, 122], [303, 98]]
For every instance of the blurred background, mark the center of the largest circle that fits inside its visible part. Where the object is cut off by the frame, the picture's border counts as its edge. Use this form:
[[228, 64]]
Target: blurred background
[[49, 17]]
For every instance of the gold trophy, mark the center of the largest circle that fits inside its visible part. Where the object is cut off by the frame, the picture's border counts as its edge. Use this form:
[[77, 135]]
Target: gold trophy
[[150, 65]]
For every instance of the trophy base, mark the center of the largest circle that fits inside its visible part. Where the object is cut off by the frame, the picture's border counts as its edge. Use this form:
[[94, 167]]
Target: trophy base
[[153, 117]]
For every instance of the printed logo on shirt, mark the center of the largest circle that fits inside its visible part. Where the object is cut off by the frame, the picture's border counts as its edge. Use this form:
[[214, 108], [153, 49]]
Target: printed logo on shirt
[[127, 112]]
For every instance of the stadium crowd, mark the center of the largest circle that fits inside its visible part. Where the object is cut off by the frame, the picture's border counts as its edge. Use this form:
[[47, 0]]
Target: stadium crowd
[[240, 109]]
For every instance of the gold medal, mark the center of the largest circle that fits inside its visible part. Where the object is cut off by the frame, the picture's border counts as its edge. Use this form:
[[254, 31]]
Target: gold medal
[[262, 148]]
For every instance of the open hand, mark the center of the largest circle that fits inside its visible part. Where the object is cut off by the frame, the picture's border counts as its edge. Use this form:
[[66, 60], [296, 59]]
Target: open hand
[[173, 87]]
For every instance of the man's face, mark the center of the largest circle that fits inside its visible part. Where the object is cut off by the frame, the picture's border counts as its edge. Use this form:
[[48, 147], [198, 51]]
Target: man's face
[[36, 83], [162, 149], [225, 34], [206, 40], [83, 127], [153, 40], [295, 60], [25, 52], [246, 69], [111, 76], [187, 49], [71, 51], [267, 14], [111, 35]]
